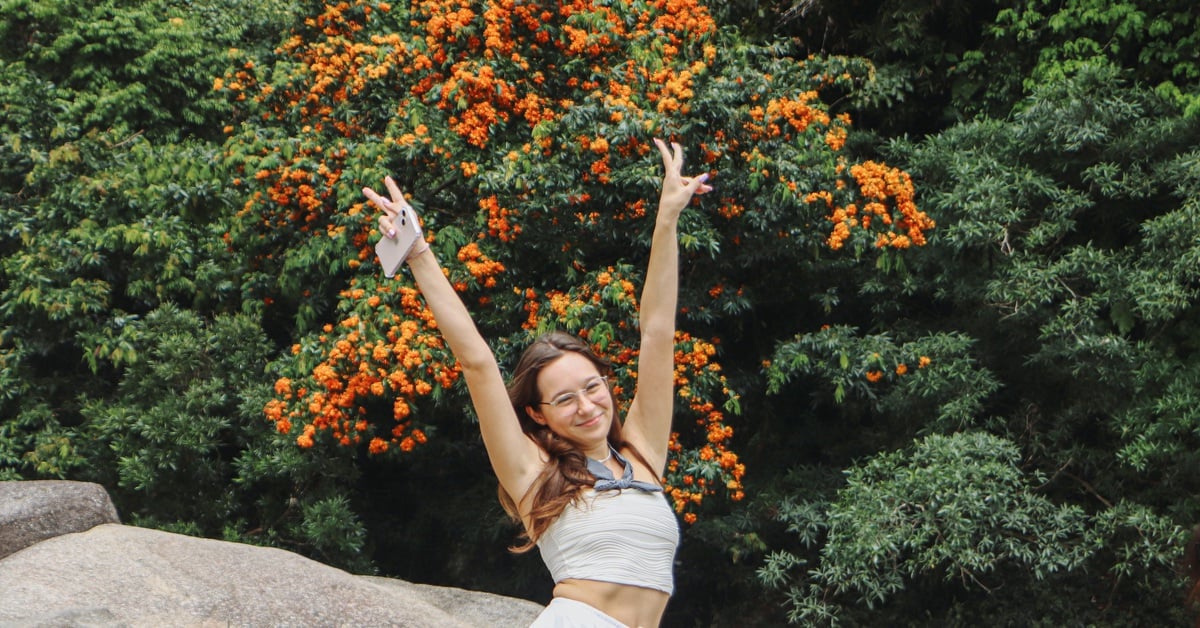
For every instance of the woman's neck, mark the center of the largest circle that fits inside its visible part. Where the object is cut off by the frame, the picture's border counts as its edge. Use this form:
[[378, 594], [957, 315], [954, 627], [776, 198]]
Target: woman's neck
[[600, 453]]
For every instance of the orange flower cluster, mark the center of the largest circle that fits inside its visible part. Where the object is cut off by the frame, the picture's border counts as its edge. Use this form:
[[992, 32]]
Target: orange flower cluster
[[876, 375], [491, 99], [730, 208], [633, 210], [788, 118], [498, 223], [681, 16], [481, 267], [358, 369], [493, 56], [879, 183], [796, 113], [338, 65], [297, 197], [887, 203], [835, 137], [694, 473]]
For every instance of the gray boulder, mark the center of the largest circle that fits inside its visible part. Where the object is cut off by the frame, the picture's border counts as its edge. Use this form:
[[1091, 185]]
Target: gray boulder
[[127, 576], [115, 575], [38, 510]]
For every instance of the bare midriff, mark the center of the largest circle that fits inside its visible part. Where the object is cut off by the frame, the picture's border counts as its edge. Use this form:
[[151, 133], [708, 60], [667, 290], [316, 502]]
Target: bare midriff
[[636, 607]]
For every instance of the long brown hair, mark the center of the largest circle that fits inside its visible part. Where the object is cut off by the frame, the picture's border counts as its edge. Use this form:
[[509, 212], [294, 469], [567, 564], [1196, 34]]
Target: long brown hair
[[565, 475]]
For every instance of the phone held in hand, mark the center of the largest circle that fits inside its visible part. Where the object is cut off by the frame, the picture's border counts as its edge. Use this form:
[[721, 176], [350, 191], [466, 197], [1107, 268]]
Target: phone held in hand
[[393, 250]]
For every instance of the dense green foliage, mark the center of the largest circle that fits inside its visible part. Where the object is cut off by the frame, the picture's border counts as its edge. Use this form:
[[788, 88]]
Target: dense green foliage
[[945, 62], [997, 427]]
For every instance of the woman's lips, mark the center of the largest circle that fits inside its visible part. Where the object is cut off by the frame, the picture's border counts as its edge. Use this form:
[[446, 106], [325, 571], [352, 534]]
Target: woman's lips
[[591, 422]]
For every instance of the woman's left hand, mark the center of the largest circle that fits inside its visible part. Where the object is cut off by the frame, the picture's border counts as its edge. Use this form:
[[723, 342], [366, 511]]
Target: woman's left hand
[[677, 190]]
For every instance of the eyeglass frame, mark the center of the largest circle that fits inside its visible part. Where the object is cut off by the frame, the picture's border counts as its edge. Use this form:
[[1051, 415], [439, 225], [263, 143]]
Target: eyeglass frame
[[575, 395]]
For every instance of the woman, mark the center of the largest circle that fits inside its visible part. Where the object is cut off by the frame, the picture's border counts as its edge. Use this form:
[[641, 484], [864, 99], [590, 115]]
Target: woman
[[584, 484]]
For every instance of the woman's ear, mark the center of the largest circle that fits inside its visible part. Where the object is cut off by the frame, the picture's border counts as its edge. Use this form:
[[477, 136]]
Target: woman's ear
[[536, 415]]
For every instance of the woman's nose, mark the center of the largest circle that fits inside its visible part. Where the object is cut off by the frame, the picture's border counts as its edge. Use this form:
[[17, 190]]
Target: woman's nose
[[584, 404]]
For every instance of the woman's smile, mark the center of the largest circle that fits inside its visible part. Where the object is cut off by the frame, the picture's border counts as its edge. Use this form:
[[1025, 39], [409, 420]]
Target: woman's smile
[[592, 422]]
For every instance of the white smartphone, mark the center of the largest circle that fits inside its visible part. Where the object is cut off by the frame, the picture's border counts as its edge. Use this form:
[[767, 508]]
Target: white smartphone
[[393, 250]]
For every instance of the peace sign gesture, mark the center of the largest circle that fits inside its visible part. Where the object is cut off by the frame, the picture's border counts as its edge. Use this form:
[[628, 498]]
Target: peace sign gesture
[[677, 190]]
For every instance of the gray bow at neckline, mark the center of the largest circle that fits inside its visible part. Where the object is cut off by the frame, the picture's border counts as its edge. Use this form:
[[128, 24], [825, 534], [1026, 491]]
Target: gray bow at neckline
[[606, 481]]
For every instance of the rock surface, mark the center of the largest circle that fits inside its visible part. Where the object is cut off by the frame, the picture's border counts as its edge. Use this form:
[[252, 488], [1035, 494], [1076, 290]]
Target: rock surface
[[120, 575], [38, 510]]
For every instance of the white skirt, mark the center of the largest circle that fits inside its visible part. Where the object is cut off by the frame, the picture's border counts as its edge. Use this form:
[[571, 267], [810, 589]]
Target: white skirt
[[567, 613]]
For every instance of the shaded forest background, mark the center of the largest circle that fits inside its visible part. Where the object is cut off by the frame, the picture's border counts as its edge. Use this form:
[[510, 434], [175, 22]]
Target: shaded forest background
[[937, 361]]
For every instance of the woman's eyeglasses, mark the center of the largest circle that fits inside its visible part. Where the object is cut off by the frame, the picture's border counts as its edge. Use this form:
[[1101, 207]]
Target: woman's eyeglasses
[[595, 389]]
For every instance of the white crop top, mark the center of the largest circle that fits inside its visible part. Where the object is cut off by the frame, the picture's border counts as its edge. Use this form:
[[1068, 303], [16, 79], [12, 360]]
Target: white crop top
[[625, 537]]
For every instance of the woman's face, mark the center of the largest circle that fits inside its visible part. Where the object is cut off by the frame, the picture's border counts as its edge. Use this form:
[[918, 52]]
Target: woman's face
[[575, 402]]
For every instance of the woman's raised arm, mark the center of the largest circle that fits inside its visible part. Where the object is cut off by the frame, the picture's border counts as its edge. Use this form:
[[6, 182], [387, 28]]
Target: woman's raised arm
[[514, 457], [648, 425]]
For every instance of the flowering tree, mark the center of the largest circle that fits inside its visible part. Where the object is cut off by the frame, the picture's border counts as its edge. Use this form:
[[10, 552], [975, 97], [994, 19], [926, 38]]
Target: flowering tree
[[1029, 374], [521, 133]]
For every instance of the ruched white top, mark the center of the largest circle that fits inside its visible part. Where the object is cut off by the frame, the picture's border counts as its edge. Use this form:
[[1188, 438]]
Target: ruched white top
[[625, 537]]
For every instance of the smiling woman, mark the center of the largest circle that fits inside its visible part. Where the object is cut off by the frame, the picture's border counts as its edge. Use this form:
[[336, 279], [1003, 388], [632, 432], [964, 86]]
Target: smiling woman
[[584, 483]]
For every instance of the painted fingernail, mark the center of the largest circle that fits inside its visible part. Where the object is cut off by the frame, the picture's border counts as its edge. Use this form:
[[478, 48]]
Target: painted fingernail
[[391, 233]]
